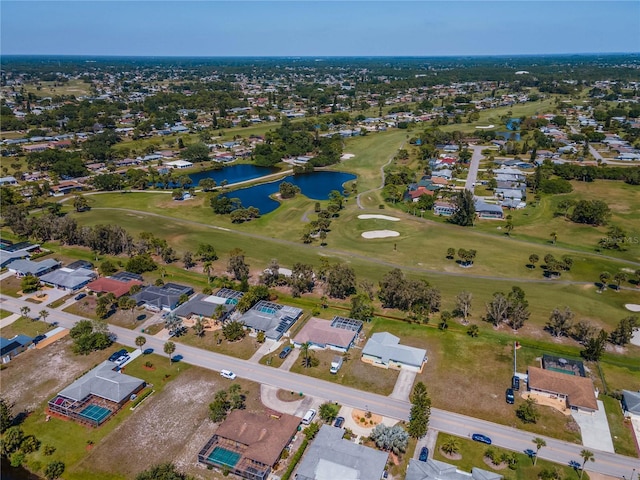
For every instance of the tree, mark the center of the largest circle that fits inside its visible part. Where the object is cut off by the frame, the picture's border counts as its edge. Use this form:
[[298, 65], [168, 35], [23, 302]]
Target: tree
[[497, 309], [463, 304], [328, 411], [393, 439], [527, 411], [54, 470], [187, 260], [594, 347], [196, 152], [451, 253], [165, 471], [473, 331], [198, 328], [237, 265], [361, 307], [465, 209], [624, 331], [341, 281], [304, 349], [586, 455], [233, 331], [583, 331], [533, 259], [107, 268], [207, 184], [6, 415], [206, 253], [169, 348], [140, 341], [618, 278], [591, 212], [554, 237], [560, 322], [420, 411], [604, 279], [539, 444], [220, 406], [80, 203], [24, 311], [450, 445], [30, 283], [288, 190]]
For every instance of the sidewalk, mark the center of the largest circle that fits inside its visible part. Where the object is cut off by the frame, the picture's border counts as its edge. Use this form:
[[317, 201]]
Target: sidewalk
[[9, 320]]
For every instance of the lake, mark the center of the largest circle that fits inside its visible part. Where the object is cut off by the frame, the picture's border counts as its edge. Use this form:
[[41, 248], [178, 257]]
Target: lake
[[232, 173], [316, 186]]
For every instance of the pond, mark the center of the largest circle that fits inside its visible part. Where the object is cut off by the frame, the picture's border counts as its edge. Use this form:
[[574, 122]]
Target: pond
[[316, 186], [232, 174], [15, 473]]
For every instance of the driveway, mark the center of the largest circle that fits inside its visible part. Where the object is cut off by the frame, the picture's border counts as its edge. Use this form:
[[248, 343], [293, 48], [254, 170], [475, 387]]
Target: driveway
[[404, 385], [291, 359], [595, 429], [267, 347], [429, 441]]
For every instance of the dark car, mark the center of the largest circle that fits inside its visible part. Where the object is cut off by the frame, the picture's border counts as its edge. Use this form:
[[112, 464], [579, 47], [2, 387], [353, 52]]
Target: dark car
[[424, 454], [339, 422], [285, 352], [38, 339], [147, 351], [80, 296], [509, 396], [515, 382], [116, 355], [478, 437]]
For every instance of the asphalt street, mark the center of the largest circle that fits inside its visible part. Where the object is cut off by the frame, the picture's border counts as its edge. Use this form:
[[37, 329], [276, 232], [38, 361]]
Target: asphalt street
[[447, 422]]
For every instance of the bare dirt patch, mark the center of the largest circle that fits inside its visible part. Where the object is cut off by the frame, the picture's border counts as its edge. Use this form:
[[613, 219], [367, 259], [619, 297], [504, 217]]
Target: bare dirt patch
[[365, 419], [35, 376], [287, 396]]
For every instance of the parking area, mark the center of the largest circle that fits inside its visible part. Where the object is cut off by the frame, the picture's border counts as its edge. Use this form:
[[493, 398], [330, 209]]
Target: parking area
[[595, 429], [404, 385]]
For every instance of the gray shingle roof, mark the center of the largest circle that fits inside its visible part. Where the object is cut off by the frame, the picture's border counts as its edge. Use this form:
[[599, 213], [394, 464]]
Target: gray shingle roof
[[34, 268], [330, 457], [67, 278], [204, 305], [387, 347], [436, 470], [103, 382]]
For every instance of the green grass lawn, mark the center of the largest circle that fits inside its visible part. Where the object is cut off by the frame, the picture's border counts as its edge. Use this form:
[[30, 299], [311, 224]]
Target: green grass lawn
[[4, 314], [11, 286], [25, 326], [243, 349], [473, 454], [621, 433]]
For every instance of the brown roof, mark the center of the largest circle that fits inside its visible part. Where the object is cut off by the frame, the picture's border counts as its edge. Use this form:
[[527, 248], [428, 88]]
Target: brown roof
[[579, 390], [264, 436], [110, 285], [321, 332]]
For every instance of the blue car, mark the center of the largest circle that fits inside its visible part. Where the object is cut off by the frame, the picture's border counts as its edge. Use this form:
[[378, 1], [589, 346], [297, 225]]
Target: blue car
[[339, 422], [424, 454], [478, 437]]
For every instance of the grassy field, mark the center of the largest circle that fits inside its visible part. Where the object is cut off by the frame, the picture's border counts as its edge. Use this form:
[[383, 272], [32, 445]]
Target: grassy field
[[25, 326], [243, 349], [76, 88], [621, 432], [473, 456]]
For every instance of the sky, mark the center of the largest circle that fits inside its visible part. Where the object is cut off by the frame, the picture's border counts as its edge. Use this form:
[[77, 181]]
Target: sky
[[312, 28]]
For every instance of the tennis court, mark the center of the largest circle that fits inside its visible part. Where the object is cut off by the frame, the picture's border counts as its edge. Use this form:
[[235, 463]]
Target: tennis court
[[222, 456], [95, 413]]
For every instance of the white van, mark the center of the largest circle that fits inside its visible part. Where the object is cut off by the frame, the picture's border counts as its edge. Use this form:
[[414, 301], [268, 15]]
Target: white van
[[309, 416]]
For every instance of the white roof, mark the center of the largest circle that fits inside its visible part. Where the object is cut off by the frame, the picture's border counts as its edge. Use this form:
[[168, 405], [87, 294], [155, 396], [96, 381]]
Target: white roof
[[387, 347]]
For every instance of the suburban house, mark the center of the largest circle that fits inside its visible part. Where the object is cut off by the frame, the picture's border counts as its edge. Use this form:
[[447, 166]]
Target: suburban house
[[165, 297], [65, 187], [271, 318], [10, 347], [384, 350], [8, 181], [71, 278], [216, 307], [508, 174], [488, 210], [118, 286], [248, 444], [22, 268], [332, 457], [338, 334], [444, 209], [179, 164], [578, 392], [96, 395], [631, 403], [15, 251], [437, 470]]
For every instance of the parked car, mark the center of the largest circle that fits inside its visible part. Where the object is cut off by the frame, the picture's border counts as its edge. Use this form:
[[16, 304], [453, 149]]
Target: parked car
[[38, 339], [339, 422], [122, 360], [80, 296], [509, 396], [285, 352], [147, 351], [309, 416], [515, 382], [228, 374], [478, 437], [424, 454], [116, 355]]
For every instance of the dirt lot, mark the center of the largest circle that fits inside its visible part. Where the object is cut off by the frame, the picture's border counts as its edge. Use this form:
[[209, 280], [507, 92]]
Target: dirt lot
[[35, 376]]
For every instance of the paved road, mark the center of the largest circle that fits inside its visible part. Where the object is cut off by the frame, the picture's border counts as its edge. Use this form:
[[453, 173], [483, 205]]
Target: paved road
[[448, 422], [473, 167]]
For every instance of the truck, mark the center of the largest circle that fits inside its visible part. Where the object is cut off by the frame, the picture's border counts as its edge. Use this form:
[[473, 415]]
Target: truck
[[336, 363]]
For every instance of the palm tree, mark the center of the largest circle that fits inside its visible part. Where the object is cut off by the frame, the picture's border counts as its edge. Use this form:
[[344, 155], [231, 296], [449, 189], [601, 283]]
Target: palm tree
[[198, 328], [304, 348], [140, 341], [539, 444], [169, 348], [43, 314], [586, 456], [450, 446], [206, 268], [24, 311]]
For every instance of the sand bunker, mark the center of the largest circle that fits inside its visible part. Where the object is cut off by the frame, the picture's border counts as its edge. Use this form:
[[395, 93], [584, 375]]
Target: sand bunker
[[379, 217], [347, 156], [485, 126], [632, 307], [380, 234]]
